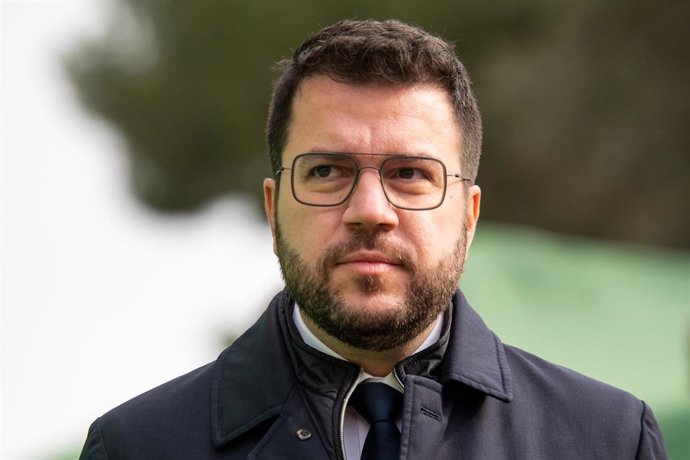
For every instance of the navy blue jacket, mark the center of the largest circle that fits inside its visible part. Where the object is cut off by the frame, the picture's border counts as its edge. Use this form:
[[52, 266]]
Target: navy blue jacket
[[270, 396]]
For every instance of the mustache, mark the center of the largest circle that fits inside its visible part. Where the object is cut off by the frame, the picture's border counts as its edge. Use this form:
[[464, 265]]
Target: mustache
[[371, 242]]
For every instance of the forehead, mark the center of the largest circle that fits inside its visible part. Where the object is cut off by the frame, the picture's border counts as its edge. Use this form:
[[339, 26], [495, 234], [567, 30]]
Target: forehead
[[329, 116]]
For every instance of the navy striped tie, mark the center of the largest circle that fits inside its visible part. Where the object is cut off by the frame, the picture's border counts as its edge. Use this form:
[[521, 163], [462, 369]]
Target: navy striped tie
[[380, 405]]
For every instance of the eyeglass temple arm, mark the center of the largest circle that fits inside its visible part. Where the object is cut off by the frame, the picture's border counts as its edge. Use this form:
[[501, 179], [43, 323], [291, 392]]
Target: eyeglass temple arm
[[283, 168], [458, 176]]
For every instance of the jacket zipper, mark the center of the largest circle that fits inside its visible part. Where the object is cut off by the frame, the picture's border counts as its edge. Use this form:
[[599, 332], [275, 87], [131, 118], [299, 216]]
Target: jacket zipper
[[342, 413], [397, 377]]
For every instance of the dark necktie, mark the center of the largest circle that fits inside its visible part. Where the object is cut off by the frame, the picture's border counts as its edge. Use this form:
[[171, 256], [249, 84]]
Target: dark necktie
[[379, 404]]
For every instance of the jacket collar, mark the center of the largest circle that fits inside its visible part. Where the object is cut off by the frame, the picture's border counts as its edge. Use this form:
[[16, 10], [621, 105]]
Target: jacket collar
[[242, 399], [252, 378], [476, 356]]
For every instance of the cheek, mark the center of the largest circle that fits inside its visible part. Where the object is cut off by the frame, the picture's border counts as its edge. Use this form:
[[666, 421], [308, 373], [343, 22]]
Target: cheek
[[437, 236], [309, 231]]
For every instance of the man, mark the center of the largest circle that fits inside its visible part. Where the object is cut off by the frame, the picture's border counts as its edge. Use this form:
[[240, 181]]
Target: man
[[371, 352]]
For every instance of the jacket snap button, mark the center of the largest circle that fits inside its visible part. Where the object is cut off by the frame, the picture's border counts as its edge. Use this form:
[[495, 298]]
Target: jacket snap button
[[303, 434]]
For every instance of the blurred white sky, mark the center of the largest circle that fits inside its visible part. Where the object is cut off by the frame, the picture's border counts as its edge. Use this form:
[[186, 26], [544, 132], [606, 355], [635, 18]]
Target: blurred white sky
[[101, 300]]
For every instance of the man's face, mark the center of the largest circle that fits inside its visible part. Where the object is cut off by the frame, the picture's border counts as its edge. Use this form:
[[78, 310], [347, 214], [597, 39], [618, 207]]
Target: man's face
[[366, 273]]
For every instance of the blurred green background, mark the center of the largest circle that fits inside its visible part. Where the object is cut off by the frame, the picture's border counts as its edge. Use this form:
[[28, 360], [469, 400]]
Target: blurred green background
[[585, 107]]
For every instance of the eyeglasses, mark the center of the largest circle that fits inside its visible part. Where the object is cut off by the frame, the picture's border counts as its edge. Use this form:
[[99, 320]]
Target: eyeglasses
[[409, 182]]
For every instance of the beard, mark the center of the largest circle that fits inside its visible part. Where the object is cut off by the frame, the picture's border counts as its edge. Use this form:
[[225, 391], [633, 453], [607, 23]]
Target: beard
[[427, 294]]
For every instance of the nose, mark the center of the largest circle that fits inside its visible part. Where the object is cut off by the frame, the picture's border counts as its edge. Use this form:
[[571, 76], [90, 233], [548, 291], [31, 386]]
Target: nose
[[368, 206]]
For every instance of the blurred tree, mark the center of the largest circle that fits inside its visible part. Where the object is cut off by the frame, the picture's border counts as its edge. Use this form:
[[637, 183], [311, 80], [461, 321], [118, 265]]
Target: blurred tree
[[583, 101], [586, 125]]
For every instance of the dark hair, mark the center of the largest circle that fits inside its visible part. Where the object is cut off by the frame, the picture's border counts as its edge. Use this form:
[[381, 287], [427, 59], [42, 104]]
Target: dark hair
[[389, 52]]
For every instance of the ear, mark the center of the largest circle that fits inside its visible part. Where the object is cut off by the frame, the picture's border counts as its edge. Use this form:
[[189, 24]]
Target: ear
[[270, 197], [474, 198]]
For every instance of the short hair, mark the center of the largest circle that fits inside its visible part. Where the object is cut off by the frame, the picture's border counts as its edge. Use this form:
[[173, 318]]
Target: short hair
[[377, 52]]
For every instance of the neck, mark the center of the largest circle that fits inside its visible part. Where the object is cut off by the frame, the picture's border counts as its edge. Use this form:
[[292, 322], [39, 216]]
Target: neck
[[376, 363]]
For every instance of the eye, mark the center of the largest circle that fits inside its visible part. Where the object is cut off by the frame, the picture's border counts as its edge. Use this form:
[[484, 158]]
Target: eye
[[409, 173], [325, 171], [321, 171]]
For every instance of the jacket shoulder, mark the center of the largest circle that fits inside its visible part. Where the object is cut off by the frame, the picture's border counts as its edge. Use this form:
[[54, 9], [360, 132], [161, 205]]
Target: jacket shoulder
[[171, 418], [535, 376], [193, 416], [583, 407], [177, 396]]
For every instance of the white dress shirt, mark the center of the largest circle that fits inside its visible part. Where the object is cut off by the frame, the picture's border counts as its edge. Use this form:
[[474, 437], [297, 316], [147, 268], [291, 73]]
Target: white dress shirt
[[355, 428]]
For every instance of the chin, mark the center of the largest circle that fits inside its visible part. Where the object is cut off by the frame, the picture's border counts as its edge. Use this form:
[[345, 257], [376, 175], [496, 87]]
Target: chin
[[373, 305]]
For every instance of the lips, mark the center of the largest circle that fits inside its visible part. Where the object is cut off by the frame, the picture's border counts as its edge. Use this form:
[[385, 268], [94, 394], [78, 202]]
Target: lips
[[368, 257], [368, 263]]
